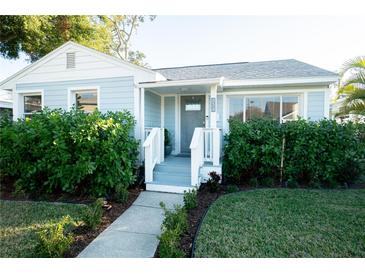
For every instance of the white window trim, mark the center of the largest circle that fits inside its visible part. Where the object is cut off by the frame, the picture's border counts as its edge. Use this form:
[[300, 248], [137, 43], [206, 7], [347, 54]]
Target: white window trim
[[22, 93], [280, 95], [73, 90]]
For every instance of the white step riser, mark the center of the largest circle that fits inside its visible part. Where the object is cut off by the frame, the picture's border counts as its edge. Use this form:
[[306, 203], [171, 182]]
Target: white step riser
[[167, 188]]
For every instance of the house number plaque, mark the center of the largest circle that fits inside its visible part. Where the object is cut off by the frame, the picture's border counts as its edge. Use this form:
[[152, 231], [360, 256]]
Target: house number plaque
[[213, 104]]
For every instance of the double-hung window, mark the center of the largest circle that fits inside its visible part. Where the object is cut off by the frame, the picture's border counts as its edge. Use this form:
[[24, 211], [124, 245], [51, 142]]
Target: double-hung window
[[32, 104]]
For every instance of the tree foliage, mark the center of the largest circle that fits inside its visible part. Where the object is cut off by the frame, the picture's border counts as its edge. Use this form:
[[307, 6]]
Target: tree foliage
[[122, 28], [353, 87], [38, 35]]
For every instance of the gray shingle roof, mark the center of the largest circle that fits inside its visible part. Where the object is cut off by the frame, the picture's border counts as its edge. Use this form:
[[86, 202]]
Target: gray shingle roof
[[289, 68]]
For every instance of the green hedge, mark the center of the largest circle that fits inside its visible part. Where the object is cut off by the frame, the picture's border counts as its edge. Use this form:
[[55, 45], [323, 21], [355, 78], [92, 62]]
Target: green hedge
[[69, 152], [317, 154]]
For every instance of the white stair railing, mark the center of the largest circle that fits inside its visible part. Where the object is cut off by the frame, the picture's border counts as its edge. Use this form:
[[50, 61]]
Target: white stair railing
[[197, 154], [153, 151], [205, 147], [212, 145]]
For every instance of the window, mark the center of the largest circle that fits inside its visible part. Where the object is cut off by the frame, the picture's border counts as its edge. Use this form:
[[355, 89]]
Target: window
[[277, 107], [290, 108], [236, 108], [263, 107], [86, 100], [32, 104]]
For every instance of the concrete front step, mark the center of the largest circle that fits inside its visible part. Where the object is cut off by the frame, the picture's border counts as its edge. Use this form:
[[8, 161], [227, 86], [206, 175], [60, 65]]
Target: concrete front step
[[173, 175], [173, 169], [172, 178], [177, 161]]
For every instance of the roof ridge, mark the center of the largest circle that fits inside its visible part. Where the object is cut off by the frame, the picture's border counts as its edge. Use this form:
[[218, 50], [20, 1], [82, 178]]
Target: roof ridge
[[218, 64]]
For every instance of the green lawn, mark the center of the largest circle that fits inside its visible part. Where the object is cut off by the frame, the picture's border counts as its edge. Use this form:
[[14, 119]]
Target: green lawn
[[285, 223], [20, 220]]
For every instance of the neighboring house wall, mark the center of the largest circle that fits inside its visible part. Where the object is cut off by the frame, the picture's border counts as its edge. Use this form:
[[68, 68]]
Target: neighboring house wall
[[169, 118], [316, 101], [152, 114], [115, 94]]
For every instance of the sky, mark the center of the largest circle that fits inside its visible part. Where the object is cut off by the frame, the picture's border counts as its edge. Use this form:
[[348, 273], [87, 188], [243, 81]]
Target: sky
[[324, 41]]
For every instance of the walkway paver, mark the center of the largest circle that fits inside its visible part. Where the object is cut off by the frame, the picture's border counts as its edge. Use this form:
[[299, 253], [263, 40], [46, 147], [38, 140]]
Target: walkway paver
[[134, 233]]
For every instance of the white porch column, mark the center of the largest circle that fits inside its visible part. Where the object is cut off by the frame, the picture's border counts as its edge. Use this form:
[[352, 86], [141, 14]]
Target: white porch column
[[141, 121], [213, 106], [213, 124], [305, 105], [327, 103]]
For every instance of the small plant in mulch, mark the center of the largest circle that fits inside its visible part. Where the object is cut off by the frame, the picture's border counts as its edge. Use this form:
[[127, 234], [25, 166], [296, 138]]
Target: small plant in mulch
[[93, 213], [232, 188], [173, 226], [213, 183], [56, 239], [121, 193], [190, 199]]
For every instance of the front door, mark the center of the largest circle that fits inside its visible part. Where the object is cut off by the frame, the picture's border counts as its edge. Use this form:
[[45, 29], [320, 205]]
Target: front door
[[192, 116]]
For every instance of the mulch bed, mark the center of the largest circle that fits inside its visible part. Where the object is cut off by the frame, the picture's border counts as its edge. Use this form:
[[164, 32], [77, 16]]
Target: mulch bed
[[83, 236]]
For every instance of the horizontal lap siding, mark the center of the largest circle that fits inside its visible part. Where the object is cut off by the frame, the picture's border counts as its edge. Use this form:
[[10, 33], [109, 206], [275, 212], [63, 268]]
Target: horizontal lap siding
[[152, 114], [116, 94], [316, 105], [170, 118]]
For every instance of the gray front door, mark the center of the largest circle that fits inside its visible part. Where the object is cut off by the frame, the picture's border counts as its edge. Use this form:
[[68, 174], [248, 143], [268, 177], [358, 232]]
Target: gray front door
[[192, 116]]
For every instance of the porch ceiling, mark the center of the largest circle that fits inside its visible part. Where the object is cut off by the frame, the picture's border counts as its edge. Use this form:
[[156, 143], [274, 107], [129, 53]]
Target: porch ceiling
[[186, 89]]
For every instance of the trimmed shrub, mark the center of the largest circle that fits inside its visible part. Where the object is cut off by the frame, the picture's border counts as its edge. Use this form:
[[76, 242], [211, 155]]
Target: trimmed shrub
[[324, 153], [93, 213], [69, 152], [175, 219], [56, 239], [252, 150], [169, 244], [173, 226], [316, 154], [190, 199]]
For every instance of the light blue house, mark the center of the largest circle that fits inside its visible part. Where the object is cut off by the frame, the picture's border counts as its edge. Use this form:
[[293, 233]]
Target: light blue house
[[193, 103]]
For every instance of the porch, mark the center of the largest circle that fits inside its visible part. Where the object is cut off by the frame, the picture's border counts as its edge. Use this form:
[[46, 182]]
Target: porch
[[181, 139]]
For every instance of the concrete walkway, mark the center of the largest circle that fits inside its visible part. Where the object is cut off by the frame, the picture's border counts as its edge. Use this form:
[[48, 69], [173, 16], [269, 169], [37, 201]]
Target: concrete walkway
[[134, 233]]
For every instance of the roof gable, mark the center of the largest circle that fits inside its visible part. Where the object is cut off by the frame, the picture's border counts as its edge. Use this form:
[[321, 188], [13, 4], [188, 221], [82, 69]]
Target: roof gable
[[89, 64]]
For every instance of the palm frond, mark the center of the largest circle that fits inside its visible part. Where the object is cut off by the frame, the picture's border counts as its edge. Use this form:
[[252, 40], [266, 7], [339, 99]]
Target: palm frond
[[357, 62], [357, 77], [355, 108]]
